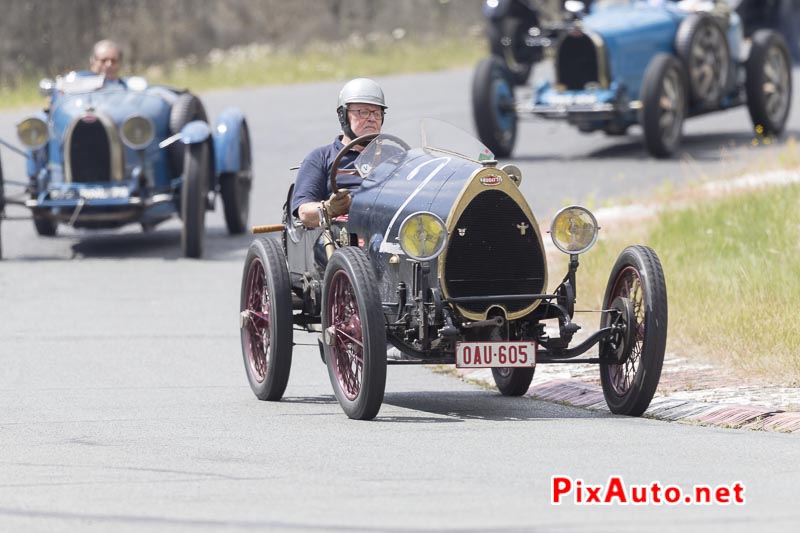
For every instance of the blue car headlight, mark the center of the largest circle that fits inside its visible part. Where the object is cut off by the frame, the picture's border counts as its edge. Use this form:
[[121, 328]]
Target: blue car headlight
[[137, 132], [33, 133]]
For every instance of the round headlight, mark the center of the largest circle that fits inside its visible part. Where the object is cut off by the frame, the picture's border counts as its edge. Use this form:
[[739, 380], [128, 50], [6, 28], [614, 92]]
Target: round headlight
[[423, 236], [138, 132], [574, 230], [32, 132]]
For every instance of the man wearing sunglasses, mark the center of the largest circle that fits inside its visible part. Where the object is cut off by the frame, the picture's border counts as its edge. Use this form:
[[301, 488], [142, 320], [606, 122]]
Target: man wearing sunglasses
[[361, 109]]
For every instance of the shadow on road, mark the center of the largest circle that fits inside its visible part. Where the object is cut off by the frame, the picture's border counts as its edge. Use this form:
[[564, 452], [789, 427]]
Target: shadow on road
[[698, 147], [164, 244], [478, 405]]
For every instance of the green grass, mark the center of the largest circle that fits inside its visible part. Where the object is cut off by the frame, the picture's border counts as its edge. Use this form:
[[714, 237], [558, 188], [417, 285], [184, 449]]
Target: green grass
[[257, 65], [731, 267]]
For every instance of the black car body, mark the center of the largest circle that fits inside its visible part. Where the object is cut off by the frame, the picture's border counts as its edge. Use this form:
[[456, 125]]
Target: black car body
[[442, 258]]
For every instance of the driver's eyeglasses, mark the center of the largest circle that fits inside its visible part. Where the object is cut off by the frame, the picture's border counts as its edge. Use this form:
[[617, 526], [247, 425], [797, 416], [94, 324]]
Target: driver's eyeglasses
[[366, 113]]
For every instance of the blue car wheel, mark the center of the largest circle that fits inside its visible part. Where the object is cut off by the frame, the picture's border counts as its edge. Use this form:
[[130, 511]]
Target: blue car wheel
[[493, 106], [663, 96]]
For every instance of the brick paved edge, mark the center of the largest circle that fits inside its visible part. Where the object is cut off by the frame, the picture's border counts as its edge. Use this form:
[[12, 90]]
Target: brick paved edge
[[588, 396]]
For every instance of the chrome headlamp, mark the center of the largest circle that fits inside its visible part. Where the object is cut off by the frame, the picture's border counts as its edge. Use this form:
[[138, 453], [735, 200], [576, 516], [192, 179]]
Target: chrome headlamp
[[574, 230], [423, 236], [33, 133], [137, 132]]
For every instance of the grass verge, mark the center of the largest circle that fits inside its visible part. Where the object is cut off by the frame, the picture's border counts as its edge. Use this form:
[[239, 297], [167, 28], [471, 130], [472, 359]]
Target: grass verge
[[731, 266], [257, 65]]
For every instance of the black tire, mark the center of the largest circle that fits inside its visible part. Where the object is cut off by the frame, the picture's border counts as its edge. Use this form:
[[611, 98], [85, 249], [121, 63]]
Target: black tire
[[350, 296], [187, 107], [769, 82], [44, 226], [493, 106], [507, 38], [629, 385], [193, 199], [703, 49], [663, 97], [235, 188], [512, 381], [266, 319]]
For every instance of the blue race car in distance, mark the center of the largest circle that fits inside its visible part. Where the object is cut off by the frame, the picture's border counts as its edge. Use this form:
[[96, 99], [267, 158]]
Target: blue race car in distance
[[102, 158], [648, 63]]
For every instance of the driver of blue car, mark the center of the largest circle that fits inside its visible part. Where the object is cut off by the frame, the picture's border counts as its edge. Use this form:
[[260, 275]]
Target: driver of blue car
[[361, 110], [106, 60]]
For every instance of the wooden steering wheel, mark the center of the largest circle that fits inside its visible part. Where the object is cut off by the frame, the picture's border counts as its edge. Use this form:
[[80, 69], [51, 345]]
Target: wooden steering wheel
[[364, 140]]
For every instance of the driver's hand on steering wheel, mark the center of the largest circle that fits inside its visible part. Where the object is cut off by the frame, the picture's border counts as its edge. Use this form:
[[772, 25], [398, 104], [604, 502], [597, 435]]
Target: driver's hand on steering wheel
[[338, 204]]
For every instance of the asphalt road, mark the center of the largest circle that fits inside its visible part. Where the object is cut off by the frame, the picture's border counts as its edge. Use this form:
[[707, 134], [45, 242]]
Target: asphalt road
[[124, 404]]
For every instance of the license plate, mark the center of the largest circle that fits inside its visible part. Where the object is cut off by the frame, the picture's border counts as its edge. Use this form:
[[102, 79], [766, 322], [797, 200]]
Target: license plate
[[495, 354]]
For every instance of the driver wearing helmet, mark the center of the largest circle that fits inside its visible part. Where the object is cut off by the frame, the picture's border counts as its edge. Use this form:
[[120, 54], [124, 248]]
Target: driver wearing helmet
[[361, 109]]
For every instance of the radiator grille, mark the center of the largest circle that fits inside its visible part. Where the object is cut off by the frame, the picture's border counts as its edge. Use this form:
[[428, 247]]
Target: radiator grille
[[577, 62], [494, 255], [90, 152]]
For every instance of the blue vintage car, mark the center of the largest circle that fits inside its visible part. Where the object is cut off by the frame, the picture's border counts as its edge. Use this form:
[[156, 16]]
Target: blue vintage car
[[103, 157], [648, 63]]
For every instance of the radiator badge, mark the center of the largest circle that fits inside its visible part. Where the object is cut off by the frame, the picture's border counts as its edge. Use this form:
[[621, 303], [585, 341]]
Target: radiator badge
[[462, 232], [522, 227], [491, 180]]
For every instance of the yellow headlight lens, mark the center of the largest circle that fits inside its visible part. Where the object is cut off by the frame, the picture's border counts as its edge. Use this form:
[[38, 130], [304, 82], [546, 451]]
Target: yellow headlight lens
[[32, 132], [574, 230], [138, 132], [423, 236]]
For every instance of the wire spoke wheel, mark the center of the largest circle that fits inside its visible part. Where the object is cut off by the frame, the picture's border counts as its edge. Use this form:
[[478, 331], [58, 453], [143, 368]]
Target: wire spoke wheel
[[354, 333], [347, 351], [630, 380], [256, 327], [265, 317]]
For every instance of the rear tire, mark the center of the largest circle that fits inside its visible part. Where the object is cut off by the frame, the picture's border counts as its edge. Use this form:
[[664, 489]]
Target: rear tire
[[44, 226], [493, 106], [235, 188], [266, 331], [702, 46], [769, 82], [193, 199]]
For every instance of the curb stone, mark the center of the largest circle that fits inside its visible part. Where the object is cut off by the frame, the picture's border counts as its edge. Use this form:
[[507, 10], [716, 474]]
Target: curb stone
[[589, 396]]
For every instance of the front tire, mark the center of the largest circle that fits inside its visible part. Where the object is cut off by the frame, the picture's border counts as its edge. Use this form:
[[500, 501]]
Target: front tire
[[193, 199], [631, 376], [769, 82], [493, 106], [354, 333], [663, 97], [266, 319]]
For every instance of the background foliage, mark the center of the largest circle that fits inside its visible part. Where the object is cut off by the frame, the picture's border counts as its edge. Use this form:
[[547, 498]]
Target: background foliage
[[47, 37]]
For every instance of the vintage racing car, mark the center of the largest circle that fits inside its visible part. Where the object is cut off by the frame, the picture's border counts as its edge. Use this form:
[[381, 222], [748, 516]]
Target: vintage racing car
[[106, 157], [640, 63], [441, 257]]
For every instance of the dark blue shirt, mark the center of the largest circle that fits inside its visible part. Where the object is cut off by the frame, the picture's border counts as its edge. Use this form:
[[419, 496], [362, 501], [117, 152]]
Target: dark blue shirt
[[313, 183]]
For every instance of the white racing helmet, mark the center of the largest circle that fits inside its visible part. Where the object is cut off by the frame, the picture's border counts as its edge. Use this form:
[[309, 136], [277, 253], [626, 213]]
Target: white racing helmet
[[358, 91]]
